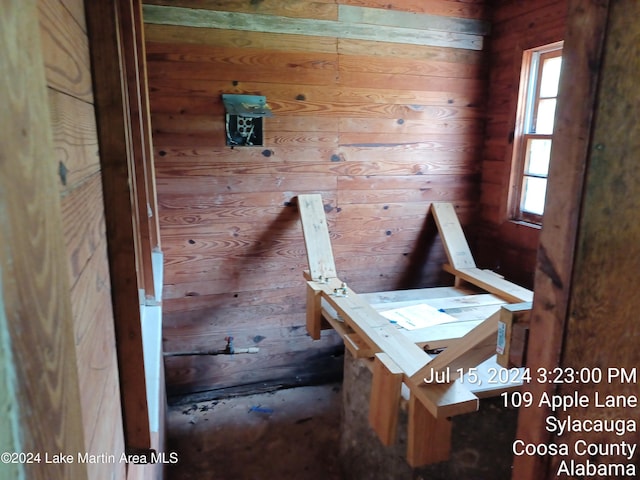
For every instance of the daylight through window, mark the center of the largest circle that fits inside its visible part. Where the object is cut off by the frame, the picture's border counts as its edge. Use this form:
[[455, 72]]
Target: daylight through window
[[534, 130]]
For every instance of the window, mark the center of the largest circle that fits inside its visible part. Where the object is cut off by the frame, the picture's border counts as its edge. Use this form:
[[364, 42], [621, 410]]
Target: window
[[533, 134]]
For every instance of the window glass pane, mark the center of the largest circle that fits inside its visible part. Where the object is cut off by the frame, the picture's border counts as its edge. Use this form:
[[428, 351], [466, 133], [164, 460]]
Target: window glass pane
[[546, 113], [533, 193], [550, 77], [538, 155]]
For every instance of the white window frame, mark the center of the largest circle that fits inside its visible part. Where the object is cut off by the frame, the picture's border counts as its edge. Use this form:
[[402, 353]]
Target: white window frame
[[528, 100]]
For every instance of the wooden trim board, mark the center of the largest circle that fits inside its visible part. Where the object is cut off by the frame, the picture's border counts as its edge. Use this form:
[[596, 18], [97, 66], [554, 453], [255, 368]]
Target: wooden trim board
[[316, 237], [455, 243], [433, 36]]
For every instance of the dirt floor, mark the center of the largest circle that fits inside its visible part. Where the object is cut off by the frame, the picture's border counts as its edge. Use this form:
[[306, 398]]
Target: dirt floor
[[288, 434]]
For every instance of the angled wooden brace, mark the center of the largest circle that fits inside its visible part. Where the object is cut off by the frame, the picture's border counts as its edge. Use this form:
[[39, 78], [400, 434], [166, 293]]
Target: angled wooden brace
[[461, 262], [472, 349], [316, 237], [319, 256]]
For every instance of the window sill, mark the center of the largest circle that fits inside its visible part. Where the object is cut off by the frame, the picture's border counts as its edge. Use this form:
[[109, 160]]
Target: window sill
[[524, 223]]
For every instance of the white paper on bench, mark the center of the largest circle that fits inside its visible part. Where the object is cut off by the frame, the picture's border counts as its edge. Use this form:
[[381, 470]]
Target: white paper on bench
[[417, 316]]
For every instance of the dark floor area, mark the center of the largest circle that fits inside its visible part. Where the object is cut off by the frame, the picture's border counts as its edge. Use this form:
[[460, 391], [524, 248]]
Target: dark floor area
[[289, 434]]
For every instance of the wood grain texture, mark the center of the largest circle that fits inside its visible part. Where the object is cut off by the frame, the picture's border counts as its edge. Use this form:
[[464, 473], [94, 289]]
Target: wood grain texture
[[75, 140], [77, 162], [446, 34], [177, 34], [36, 314], [65, 49], [379, 128]]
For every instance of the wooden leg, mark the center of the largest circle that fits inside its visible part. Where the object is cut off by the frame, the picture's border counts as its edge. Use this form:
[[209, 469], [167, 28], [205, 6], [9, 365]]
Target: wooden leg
[[314, 311], [385, 398], [429, 438]]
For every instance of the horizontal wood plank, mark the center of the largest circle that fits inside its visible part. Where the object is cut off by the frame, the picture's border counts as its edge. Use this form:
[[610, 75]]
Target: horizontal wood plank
[[293, 8], [177, 34], [420, 21], [379, 128], [300, 26], [453, 8], [75, 139]]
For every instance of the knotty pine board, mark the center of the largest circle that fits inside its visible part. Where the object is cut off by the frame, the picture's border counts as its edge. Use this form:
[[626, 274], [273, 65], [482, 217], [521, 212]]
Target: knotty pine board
[[366, 124], [339, 164], [194, 96], [313, 160], [226, 198], [74, 139], [376, 183], [437, 193], [271, 307], [427, 30], [402, 127], [312, 365], [75, 142], [201, 98], [310, 68], [177, 35], [247, 306], [76, 8], [210, 335], [196, 276]]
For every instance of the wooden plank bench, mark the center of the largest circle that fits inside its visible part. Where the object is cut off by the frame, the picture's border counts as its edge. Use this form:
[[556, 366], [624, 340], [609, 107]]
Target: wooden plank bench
[[408, 357]]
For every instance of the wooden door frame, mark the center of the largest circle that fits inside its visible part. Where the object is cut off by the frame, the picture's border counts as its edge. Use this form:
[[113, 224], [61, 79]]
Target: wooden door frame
[[126, 157]]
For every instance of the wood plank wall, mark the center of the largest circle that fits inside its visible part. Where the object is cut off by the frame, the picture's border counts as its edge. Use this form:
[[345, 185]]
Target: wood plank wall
[[505, 246], [381, 129], [39, 394], [76, 157]]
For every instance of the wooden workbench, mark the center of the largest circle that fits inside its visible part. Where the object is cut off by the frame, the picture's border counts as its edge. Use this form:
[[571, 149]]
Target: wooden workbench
[[404, 359]]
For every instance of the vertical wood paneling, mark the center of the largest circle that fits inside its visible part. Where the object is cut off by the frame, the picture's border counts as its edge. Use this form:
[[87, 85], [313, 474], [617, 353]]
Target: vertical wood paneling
[[516, 26], [77, 162], [380, 129]]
